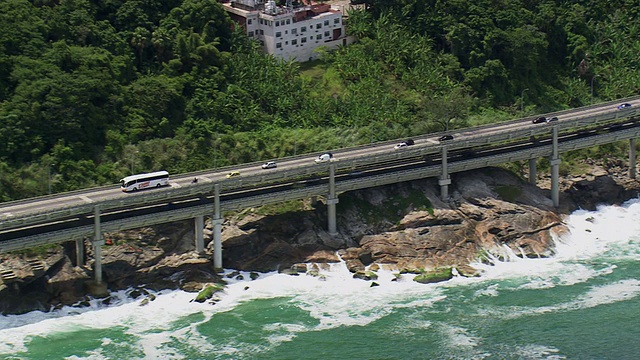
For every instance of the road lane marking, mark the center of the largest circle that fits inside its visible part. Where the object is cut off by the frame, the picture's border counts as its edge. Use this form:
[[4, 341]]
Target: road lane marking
[[86, 198]]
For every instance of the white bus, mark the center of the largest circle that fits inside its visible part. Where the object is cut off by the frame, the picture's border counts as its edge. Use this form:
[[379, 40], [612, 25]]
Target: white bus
[[144, 181]]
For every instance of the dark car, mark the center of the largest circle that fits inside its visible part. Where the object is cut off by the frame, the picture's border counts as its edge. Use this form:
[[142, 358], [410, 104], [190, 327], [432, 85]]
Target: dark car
[[445, 137], [539, 120], [409, 142], [624, 106]]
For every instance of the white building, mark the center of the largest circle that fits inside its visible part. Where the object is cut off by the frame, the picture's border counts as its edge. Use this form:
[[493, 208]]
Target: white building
[[290, 33]]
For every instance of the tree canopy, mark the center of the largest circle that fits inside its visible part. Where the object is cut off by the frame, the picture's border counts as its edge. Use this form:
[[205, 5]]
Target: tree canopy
[[90, 89]]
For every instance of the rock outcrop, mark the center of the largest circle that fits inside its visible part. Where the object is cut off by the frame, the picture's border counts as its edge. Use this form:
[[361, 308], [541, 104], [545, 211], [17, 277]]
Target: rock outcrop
[[403, 227]]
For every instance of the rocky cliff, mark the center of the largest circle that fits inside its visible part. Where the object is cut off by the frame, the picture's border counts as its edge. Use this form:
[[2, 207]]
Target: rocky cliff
[[404, 227]]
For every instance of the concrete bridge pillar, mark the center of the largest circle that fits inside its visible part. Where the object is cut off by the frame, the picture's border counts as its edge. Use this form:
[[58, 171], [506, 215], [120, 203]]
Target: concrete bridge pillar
[[199, 235], [216, 221], [632, 158], [332, 200], [80, 252], [555, 182], [97, 243], [444, 180], [532, 171], [555, 170]]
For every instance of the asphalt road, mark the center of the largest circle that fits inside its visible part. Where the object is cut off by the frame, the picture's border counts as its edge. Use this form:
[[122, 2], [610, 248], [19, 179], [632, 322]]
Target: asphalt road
[[93, 195]]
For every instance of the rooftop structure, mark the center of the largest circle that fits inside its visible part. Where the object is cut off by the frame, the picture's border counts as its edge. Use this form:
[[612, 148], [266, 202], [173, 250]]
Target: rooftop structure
[[290, 32]]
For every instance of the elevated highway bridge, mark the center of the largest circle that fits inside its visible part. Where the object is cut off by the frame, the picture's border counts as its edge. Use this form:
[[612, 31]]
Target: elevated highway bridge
[[88, 213]]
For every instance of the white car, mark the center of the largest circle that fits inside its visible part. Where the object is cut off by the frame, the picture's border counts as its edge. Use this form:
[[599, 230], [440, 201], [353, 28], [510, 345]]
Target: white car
[[324, 158], [401, 145], [269, 165]]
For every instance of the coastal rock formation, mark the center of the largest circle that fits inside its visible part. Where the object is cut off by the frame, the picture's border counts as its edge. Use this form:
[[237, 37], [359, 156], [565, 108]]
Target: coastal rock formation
[[491, 214]]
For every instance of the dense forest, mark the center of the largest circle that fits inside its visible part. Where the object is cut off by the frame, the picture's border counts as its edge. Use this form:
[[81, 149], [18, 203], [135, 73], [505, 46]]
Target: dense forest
[[91, 90]]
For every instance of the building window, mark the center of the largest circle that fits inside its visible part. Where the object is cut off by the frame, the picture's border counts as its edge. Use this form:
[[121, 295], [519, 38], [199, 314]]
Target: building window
[[277, 23], [278, 34], [303, 40], [250, 33], [336, 21], [288, 21], [319, 36], [294, 42], [248, 21], [286, 43], [318, 26], [278, 45], [303, 29], [326, 34], [326, 23], [294, 31], [261, 32]]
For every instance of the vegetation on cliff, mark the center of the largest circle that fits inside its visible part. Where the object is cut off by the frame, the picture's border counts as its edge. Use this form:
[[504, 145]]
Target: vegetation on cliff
[[93, 90]]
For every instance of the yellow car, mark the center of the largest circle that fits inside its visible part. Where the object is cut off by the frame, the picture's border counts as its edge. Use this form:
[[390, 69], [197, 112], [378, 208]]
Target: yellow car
[[233, 174]]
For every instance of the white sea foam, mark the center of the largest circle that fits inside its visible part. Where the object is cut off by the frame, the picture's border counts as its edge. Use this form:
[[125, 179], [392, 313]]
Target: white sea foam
[[459, 337], [533, 351], [596, 238], [599, 295], [341, 300]]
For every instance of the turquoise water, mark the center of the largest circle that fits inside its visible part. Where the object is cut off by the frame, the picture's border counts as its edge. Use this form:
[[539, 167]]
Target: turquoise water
[[581, 304]]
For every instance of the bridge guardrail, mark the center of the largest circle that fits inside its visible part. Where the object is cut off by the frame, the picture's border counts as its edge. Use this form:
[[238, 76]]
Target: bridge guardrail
[[320, 190], [204, 188]]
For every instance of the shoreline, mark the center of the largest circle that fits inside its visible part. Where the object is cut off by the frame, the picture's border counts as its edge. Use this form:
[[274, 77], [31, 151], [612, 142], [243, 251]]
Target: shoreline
[[162, 257]]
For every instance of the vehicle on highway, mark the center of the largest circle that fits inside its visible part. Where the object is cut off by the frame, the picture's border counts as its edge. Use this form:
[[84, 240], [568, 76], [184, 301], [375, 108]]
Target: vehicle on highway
[[445, 137], [624, 106], [544, 120], [269, 165], [233, 174], [144, 181], [404, 144], [324, 158]]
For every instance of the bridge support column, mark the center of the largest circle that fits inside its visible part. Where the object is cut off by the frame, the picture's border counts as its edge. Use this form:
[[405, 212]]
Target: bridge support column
[[555, 170], [332, 200], [97, 243], [532, 171], [216, 221], [444, 188], [555, 182], [199, 235], [80, 252], [632, 158], [331, 214], [444, 180]]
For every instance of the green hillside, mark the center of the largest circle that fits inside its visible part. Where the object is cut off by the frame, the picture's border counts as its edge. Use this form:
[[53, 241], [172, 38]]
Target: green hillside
[[90, 89]]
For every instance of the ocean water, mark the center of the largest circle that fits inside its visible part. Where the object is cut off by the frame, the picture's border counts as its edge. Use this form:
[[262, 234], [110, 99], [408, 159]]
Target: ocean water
[[584, 303]]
